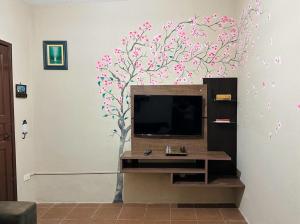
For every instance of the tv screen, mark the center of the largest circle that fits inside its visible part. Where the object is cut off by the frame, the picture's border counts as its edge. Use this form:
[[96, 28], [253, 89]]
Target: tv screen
[[167, 115]]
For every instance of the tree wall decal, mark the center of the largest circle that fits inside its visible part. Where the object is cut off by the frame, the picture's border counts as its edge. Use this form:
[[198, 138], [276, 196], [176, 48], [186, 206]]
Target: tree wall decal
[[185, 48]]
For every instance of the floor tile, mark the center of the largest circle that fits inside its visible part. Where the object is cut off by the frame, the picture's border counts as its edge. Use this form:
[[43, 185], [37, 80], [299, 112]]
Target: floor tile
[[157, 222], [41, 211], [232, 214], [126, 205], [104, 221], [81, 213], [76, 221], [107, 213], [49, 221], [129, 222], [63, 205], [209, 214], [57, 213], [157, 214], [183, 222], [88, 205], [183, 214], [136, 213]]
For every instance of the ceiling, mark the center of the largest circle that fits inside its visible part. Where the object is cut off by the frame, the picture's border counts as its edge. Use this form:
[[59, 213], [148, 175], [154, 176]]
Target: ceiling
[[66, 1]]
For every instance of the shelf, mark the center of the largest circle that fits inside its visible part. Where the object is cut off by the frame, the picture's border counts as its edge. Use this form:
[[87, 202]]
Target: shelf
[[225, 101], [163, 170], [188, 184], [222, 123], [227, 182], [219, 182], [208, 155]]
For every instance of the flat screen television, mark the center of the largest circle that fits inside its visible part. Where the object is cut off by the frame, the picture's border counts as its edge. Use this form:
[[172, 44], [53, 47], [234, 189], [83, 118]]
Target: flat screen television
[[167, 115]]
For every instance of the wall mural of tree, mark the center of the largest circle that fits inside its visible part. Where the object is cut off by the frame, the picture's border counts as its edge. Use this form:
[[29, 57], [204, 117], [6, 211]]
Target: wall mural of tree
[[182, 49]]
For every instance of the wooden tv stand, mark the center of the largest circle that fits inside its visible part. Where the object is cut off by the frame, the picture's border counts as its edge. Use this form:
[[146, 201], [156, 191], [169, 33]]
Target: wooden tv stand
[[190, 170], [211, 159]]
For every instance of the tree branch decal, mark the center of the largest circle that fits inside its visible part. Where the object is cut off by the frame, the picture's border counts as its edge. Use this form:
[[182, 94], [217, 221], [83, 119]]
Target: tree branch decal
[[181, 49]]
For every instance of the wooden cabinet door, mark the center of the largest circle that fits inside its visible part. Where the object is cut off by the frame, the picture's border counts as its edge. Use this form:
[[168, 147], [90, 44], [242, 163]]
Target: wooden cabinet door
[[7, 144]]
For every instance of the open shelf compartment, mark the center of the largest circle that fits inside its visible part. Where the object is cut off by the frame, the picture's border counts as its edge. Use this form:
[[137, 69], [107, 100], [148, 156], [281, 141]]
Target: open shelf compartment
[[186, 179], [162, 166]]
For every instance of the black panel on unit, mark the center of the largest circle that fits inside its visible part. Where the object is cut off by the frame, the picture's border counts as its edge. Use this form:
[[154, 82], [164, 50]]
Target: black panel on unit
[[222, 123]]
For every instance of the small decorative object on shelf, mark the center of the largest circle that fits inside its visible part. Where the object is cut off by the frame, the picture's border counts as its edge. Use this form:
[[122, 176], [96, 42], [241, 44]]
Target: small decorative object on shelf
[[222, 120], [175, 152], [225, 97], [147, 152]]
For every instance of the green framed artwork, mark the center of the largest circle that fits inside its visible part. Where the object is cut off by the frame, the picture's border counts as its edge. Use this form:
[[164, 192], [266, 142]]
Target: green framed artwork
[[55, 55]]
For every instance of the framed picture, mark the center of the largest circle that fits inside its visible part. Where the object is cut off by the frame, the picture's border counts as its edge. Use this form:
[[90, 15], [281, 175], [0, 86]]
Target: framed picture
[[55, 55], [21, 91]]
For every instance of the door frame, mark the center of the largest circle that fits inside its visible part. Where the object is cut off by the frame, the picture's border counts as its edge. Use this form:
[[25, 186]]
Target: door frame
[[14, 180]]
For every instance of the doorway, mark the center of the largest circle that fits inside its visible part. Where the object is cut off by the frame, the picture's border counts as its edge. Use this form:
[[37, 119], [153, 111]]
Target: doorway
[[8, 183]]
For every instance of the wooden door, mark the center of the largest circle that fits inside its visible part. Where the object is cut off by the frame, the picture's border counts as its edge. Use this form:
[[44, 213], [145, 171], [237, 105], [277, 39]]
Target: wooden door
[[7, 144]]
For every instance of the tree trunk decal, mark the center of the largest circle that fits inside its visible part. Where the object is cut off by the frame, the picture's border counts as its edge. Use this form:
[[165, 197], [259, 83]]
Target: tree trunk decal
[[119, 187], [181, 50]]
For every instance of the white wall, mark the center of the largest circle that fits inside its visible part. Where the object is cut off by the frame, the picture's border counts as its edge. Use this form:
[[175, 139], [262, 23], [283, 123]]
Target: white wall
[[270, 165], [16, 28], [72, 133]]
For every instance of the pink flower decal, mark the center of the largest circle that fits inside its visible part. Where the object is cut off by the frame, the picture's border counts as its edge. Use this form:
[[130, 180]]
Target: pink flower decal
[[179, 68], [106, 60], [147, 25], [157, 38], [118, 51], [207, 19], [277, 60]]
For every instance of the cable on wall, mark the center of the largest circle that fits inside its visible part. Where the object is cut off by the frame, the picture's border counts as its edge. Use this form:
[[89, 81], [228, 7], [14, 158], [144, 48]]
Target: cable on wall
[[73, 173]]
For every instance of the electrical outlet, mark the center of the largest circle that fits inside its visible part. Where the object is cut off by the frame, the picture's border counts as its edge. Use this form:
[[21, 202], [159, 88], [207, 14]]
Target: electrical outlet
[[27, 177]]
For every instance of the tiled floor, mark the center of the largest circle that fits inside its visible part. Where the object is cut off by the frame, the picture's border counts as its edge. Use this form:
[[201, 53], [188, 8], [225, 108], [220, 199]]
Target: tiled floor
[[135, 214]]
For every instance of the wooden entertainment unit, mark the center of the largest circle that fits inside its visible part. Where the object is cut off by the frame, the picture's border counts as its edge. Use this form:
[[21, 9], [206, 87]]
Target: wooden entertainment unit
[[194, 167], [203, 166]]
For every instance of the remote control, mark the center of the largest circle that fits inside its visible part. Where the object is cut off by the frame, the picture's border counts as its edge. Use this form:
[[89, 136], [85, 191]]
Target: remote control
[[147, 152]]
